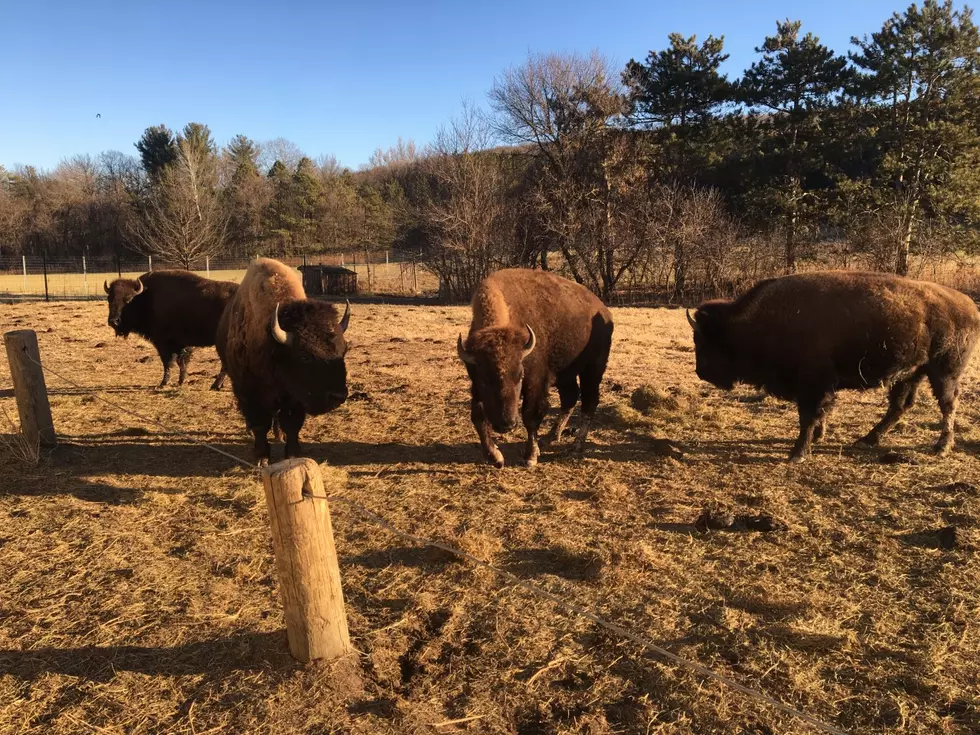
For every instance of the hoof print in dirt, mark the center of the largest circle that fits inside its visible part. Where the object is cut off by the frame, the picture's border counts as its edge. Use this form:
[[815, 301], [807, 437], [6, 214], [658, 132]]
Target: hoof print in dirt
[[99, 345], [897, 458], [958, 488]]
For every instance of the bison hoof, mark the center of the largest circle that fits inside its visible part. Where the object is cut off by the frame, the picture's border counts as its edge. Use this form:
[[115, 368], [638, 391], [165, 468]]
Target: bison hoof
[[943, 448], [866, 442], [796, 458], [263, 462], [531, 462]]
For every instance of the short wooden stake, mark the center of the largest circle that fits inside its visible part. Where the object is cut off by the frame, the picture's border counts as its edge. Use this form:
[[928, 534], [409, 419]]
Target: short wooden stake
[[309, 576], [24, 359]]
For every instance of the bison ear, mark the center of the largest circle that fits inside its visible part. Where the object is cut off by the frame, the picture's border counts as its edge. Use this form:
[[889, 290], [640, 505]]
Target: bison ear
[[465, 356], [345, 321], [105, 286]]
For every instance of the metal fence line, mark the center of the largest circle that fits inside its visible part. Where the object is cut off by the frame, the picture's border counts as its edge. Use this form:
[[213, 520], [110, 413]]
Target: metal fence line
[[35, 277]]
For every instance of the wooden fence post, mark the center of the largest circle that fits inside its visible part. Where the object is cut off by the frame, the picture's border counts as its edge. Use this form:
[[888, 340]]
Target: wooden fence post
[[24, 359], [309, 577]]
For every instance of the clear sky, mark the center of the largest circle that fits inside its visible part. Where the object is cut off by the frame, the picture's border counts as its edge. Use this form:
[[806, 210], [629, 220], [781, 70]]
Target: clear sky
[[335, 78]]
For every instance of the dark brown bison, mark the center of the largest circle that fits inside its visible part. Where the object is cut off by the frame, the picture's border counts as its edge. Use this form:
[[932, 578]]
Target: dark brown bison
[[531, 328], [175, 310], [804, 337], [284, 353]]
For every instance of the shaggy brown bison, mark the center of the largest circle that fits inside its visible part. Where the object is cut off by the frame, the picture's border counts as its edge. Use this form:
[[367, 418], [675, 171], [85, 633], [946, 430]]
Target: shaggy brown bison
[[175, 310], [531, 328], [804, 337], [284, 353]]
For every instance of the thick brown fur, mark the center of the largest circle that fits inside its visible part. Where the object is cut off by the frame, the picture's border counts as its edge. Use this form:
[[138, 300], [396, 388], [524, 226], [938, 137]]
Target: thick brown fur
[[269, 378], [804, 337], [176, 311], [573, 334]]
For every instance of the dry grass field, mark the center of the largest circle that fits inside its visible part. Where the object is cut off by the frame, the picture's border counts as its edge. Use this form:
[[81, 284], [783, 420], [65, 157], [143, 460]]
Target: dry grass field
[[138, 591]]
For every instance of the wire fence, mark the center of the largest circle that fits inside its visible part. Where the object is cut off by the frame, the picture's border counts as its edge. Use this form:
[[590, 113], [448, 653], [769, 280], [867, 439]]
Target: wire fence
[[561, 601], [77, 278]]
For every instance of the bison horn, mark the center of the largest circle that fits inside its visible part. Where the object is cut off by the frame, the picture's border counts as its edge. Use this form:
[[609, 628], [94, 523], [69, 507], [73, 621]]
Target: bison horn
[[282, 336], [690, 320], [345, 321], [105, 285], [531, 341], [463, 354], [139, 287]]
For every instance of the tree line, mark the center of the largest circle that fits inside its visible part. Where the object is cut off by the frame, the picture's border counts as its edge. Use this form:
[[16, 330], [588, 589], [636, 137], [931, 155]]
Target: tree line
[[666, 177]]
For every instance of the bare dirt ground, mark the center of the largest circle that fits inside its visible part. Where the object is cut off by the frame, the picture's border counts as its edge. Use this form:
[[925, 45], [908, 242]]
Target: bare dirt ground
[[138, 590]]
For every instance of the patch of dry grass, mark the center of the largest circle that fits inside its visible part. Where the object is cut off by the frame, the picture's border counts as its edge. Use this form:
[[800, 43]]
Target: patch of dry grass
[[138, 590]]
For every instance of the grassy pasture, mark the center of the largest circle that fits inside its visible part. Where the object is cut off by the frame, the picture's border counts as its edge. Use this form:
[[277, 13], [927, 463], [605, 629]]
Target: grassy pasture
[[138, 590]]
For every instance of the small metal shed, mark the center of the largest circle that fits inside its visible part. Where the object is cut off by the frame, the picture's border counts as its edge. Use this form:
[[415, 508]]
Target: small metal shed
[[328, 280]]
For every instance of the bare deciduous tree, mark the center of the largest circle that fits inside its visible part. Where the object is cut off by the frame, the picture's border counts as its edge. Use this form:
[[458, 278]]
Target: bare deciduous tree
[[183, 220]]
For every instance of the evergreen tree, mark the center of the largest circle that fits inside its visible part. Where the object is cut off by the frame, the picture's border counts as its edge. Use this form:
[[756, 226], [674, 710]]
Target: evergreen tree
[[158, 148], [920, 83], [791, 86], [680, 85]]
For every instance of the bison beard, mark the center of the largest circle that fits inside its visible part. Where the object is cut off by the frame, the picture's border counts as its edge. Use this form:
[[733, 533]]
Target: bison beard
[[804, 337]]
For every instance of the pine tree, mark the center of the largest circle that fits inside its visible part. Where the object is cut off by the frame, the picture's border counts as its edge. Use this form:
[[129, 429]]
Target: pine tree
[[791, 87], [158, 148], [921, 86]]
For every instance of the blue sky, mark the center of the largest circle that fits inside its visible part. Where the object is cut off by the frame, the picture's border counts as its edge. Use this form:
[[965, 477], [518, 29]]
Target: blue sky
[[335, 78]]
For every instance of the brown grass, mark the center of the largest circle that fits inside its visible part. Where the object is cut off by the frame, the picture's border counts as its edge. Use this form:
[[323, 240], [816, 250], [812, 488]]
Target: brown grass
[[138, 590]]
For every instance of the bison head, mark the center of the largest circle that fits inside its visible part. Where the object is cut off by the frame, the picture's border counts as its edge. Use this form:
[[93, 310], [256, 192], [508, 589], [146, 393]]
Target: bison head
[[119, 294], [494, 358], [310, 346], [714, 358]]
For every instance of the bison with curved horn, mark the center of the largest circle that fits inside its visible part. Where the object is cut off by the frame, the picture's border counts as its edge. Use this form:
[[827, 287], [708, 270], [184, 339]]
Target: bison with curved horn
[[284, 353], [804, 337], [531, 328], [175, 311]]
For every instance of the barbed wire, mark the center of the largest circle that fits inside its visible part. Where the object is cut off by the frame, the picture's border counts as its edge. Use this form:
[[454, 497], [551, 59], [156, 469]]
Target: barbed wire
[[607, 625]]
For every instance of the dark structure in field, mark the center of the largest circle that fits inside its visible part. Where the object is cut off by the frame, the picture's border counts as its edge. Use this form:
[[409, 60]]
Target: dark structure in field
[[328, 280], [175, 310], [805, 337], [284, 353], [530, 328]]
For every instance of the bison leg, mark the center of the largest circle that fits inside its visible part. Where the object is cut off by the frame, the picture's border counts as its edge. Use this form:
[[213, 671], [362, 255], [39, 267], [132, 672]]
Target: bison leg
[[901, 398], [258, 420], [823, 423], [183, 359], [591, 379], [533, 413], [219, 381], [568, 393], [291, 419], [490, 450], [166, 357], [947, 390], [812, 413]]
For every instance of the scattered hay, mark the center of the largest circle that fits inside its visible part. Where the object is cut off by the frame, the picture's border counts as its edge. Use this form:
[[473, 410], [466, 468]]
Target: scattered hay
[[18, 446], [648, 399]]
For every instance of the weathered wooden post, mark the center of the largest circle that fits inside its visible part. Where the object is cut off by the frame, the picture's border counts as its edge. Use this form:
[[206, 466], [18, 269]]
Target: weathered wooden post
[[309, 576], [24, 359]]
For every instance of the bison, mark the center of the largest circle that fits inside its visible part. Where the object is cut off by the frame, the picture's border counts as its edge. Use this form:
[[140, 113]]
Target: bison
[[804, 337], [284, 353], [531, 328], [175, 310]]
